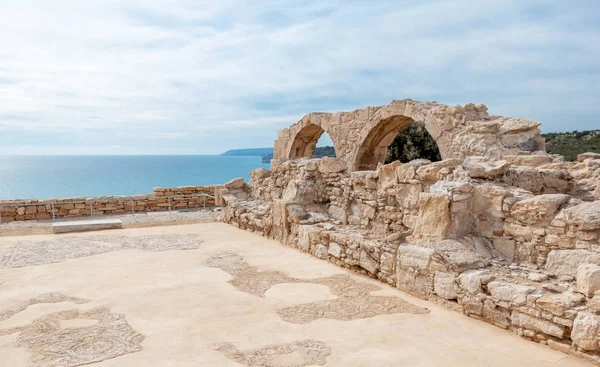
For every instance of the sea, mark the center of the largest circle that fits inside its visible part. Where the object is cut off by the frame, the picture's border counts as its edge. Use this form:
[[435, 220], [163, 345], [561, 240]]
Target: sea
[[44, 177]]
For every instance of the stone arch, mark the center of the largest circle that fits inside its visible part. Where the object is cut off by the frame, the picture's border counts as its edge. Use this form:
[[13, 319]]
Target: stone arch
[[305, 141], [376, 139], [300, 139]]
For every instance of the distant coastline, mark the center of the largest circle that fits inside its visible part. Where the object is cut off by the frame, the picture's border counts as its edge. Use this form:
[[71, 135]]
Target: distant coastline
[[250, 152]]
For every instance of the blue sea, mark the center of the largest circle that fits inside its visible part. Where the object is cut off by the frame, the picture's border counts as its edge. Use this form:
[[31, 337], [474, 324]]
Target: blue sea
[[42, 177]]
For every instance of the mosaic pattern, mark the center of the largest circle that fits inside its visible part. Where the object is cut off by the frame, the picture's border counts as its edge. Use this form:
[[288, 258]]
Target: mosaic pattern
[[295, 354], [45, 298], [31, 253], [353, 301], [51, 345]]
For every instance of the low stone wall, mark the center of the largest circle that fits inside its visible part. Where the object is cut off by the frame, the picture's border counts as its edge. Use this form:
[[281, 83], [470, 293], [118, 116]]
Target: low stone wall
[[175, 198], [513, 242]]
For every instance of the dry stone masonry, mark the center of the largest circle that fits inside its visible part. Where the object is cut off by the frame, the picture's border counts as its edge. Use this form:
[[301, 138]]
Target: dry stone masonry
[[176, 198], [499, 229]]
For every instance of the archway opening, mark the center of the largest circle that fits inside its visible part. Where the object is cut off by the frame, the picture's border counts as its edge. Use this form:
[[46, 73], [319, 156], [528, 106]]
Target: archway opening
[[409, 140], [413, 142], [312, 141], [324, 147]]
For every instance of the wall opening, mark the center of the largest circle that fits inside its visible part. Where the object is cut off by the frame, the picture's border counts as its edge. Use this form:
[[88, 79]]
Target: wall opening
[[374, 148], [413, 142], [324, 147], [312, 141]]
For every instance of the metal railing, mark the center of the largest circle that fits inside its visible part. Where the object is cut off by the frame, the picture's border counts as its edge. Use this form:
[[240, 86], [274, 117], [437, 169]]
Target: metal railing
[[131, 199]]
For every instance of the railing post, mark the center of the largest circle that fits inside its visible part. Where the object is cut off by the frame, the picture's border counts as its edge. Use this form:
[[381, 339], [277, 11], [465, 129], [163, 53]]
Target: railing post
[[169, 200], [91, 208], [204, 196], [53, 216], [132, 210]]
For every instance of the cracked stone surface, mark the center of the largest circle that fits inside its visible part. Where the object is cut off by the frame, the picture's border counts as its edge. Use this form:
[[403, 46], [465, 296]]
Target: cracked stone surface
[[295, 354]]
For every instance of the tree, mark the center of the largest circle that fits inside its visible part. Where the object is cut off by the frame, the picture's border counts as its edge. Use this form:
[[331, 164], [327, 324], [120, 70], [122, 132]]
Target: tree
[[413, 142]]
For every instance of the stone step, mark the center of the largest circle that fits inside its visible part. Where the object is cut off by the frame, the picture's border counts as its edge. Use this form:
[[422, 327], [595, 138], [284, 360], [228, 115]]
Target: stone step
[[87, 225]]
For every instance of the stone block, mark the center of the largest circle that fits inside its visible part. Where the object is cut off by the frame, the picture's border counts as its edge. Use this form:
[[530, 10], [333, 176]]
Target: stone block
[[566, 262], [368, 263], [470, 280], [332, 165], [434, 222], [335, 250], [586, 328], [534, 323], [443, 285], [515, 294], [416, 257], [588, 279]]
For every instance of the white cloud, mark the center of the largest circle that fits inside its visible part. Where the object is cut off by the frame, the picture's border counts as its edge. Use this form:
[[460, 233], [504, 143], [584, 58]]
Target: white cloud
[[206, 76]]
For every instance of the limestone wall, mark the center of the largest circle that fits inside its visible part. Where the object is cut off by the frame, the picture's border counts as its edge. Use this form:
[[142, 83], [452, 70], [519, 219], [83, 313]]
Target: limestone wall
[[176, 198], [361, 137], [514, 242]]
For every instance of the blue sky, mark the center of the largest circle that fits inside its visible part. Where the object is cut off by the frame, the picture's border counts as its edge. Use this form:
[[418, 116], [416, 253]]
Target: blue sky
[[200, 77]]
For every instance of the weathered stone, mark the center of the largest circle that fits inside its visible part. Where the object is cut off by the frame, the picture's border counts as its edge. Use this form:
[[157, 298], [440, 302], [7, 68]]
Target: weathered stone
[[524, 177], [335, 250], [434, 221], [259, 174], [588, 279], [321, 251], [431, 172], [338, 214], [481, 167], [443, 285], [387, 175], [470, 280], [457, 257], [557, 304], [566, 262], [584, 216], [331, 165], [368, 263], [589, 155], [534, 323], [586, 328], [236, 183], [508, 292], [506, 247], [300, 191], [411, 256], [539, 209], [387, 262]]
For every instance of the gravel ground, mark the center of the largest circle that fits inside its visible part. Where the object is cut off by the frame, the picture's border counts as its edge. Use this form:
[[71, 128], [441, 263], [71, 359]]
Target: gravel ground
[[129, 221]]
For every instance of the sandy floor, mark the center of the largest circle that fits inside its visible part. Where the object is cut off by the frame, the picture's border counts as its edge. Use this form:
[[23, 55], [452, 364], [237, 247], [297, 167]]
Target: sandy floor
[[213, 295]]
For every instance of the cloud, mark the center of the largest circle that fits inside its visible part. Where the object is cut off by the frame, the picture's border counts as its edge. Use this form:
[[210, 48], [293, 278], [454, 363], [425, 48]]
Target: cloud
[[207, 76]]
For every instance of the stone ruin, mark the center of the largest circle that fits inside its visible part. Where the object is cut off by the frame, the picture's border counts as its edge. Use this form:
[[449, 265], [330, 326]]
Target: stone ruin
[[499, 229]]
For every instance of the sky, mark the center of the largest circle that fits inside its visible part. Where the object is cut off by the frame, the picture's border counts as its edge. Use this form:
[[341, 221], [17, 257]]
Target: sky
[[202, 77]]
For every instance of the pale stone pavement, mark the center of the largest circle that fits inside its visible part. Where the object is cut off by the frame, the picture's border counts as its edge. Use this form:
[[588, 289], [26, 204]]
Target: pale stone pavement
[[162, 296]]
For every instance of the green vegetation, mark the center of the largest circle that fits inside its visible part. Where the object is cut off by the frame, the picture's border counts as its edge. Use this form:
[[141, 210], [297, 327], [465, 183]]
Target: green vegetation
[[573, 143], [413, 142]]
